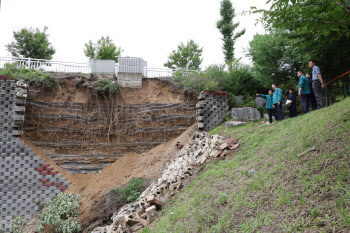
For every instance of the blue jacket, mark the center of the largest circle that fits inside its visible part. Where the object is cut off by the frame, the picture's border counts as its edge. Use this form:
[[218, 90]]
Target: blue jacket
[[304, 83], [268, 100], [277, 96]]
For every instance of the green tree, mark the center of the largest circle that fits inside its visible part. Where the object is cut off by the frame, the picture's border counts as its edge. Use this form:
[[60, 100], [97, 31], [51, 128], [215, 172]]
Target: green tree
[[187, 56], [324, 16], [31, 43], [227, 28], [104, 49], [271, 64]]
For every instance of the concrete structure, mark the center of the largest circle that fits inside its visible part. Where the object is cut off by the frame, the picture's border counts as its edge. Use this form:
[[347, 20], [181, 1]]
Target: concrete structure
[[25, 179], [245, 114], [104, 68], [212, 109], [131, 70], [230, 124]]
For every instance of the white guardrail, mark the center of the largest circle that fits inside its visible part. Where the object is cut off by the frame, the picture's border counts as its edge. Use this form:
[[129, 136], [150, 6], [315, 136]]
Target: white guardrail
[[75, 67]]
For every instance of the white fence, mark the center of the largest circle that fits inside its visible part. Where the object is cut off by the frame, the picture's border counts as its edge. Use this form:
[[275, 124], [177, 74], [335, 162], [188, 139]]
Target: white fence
[[74, 67], [47, 65]]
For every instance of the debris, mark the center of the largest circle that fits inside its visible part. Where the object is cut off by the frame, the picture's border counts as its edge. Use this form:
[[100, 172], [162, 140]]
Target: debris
[[144, 210], [307, 151]]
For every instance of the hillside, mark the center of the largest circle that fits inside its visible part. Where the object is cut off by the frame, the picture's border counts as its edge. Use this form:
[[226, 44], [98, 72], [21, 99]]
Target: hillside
[[291, 176]]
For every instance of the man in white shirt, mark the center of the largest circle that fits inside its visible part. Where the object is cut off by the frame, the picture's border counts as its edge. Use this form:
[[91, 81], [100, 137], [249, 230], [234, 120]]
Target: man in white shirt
[[317, 83]]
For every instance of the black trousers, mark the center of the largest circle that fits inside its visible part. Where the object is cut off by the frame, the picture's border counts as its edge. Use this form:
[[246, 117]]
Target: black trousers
[[279, 112], [305, 102], [271, 112], [316, 87], [292, 111], [313, 101]]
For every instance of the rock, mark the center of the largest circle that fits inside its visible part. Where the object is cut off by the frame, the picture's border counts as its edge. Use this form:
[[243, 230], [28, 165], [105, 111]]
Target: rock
[[260, 101], [234, 147], [151, 213], [230, 124], [247, 114]]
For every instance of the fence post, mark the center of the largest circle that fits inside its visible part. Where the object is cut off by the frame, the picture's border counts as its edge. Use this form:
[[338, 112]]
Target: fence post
[[29, 63]]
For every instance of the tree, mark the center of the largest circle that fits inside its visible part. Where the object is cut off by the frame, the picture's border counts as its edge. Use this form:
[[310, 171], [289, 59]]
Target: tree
[[227, 28], [271, 64], [104, 49], [324, 16], [30, 43], [187, 56]]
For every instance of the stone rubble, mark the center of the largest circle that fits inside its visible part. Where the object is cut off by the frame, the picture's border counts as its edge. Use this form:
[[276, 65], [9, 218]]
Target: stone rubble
[[134, 216]]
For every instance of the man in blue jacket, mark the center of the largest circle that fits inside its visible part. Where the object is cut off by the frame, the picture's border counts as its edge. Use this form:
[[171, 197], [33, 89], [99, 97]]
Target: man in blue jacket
[[277, 101], [304, 90], [270, 111]]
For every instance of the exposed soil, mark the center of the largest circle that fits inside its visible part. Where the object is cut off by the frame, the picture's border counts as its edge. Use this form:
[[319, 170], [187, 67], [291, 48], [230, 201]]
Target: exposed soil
[[93, 186]]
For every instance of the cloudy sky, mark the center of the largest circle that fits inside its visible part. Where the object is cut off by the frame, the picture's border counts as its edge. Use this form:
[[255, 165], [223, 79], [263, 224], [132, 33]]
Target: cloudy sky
[[150, 29]]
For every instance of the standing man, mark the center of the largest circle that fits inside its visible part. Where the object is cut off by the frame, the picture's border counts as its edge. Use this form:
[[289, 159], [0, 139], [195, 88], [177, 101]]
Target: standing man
[[304, 91], [317, 83], [313, 101], [277, 101]]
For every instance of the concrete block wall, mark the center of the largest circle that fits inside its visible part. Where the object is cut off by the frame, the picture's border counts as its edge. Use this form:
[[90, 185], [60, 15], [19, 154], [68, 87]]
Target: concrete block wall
[[25, 180], [212, 109]]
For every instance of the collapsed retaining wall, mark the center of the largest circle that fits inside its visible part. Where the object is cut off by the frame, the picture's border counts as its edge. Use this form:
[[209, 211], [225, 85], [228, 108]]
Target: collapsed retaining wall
[[74, 135], [212, 109], [25, 180]]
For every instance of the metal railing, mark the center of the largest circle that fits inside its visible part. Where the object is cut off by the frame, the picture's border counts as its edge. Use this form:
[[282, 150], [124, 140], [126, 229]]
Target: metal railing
[[47, 65], [76, 67]]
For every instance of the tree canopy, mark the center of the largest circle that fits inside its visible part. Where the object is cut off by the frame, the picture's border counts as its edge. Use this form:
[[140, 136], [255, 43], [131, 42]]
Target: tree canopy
[[324, 16], [103, 49], [227, 28], [31, 43], [187, 56]]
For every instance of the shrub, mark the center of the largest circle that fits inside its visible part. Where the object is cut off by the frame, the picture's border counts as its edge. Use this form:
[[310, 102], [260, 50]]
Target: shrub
[[105, 87], [17, 223], [37, 78], [61, 213], [131, 191]]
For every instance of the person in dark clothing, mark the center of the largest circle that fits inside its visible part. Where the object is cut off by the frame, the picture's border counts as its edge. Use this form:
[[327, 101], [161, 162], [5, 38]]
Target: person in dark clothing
[[292, 103], [313, 102], [269, 108]]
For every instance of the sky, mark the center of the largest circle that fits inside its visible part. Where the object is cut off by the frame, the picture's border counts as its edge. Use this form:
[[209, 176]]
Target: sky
[[150, 29]]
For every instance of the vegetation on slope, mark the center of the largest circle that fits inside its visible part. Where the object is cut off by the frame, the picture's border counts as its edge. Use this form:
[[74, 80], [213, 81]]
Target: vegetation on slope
[[270, 185]]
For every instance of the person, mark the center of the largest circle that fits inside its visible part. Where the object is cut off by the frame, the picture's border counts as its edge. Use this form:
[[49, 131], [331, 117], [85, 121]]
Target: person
[[304, 90], [269, 108], [313, 101], [317, 83], [277, 101], [292, 103]]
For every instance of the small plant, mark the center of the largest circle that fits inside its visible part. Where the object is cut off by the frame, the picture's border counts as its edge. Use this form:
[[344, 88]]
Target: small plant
[[17, 223], [96, 173], [105, 87], [61, 213], [131, 191], [223, 199]]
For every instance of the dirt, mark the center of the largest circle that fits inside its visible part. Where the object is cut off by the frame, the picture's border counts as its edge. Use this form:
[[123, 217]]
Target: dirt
[[93, 186]]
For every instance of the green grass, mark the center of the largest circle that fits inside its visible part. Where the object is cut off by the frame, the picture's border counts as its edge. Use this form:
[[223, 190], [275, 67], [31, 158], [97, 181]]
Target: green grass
[[266, 186]]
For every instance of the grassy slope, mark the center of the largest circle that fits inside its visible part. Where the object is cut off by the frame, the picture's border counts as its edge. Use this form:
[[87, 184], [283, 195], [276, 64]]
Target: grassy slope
[[266, 186]]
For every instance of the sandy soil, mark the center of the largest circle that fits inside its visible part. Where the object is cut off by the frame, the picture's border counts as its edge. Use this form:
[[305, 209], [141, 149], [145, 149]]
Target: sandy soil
[[91, 187]]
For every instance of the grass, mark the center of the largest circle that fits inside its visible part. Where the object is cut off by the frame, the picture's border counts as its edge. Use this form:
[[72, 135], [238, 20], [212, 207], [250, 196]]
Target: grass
[[266, 186], [37, 78]]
